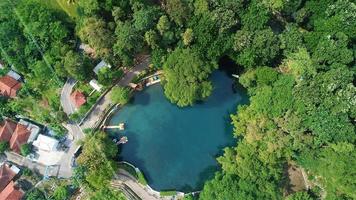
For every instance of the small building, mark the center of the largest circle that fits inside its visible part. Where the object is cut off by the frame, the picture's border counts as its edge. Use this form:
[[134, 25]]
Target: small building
[[94, 84], [101, 65], [78, 99], [45, 143], [14, 75], [9, 86], [14, 133]]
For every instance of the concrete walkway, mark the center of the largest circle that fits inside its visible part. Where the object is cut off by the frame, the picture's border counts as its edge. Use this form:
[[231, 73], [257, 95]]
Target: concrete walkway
[[105, 102]]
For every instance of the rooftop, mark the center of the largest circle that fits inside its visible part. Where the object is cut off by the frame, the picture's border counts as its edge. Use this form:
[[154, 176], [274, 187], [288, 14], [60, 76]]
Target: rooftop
[[101, 65], [11, 192], [78, 98], [6, 175], [9, 86]]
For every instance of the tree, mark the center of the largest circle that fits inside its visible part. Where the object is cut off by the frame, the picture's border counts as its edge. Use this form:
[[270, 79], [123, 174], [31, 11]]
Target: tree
[[4, 146], [120, 95], [25, 149], [163, 24], [35, 194], [94, 31], [61, 193], [128, 42], [146, 17], [97, 157], [187, 77], [256, 49], [152, 39], [107, 193], [77, 66], [300, 196], [188, 36], [178, 10]]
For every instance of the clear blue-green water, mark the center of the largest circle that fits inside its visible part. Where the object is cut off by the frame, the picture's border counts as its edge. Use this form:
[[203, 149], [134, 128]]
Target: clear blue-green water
[[176, 148]]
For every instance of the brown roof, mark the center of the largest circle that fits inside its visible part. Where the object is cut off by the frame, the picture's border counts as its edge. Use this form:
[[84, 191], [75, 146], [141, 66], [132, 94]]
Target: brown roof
[[6, 175], [78, 98], [11, 192], [19, 137], [7, 127], [9, 86], [14, 133]]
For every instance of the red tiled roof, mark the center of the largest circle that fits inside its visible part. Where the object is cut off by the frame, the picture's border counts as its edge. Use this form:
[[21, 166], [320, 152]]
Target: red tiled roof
[[19, 137], [6, 175], [78, 98], [11, 192], [9, 86], [6, 129]]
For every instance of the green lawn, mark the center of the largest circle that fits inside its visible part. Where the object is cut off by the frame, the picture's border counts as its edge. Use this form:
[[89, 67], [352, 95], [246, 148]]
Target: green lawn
[[70, 9]]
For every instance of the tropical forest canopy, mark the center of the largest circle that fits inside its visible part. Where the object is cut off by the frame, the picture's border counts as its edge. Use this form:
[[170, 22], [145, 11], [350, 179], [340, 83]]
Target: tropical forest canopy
[[296, 58]]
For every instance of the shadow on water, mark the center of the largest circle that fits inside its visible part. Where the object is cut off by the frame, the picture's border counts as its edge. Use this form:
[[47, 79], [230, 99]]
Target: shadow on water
[[142, 98]]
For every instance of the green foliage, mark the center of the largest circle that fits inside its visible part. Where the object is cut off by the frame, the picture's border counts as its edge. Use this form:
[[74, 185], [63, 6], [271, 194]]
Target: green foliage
[[35, 194], [256, 48], [98, 150], [188, 36], [4, 146], [120, 95], [77, 66], [146, 17], [95, 32], [168, 193], [107, 193], [300, 196], [61, 193], [128, 42], [163, 24], [187, 77], [107, 76], [141, 178], [335, 169], [178, 10], [25, 149]]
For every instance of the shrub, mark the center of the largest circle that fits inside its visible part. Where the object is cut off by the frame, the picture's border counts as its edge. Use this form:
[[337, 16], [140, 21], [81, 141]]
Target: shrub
[[120, 95], [4, 146], [25, 149]]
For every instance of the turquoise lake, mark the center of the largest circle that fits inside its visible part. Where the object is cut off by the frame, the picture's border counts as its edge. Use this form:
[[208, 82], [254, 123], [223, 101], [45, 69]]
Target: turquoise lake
[[176, 148]]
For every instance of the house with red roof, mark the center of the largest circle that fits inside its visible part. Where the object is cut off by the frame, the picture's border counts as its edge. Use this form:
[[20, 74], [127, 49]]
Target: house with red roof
[[78, 99], [15, 133], [6, 175], [11, 192], [8, 189], [9, 86]]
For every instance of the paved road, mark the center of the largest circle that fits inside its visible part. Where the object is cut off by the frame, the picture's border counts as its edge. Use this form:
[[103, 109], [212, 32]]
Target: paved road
[[67, 105], [105, 102]]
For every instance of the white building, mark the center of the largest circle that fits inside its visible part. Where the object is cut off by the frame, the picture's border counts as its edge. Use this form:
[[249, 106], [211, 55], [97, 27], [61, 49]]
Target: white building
[[45, 143], [95, 84], [14, 75], [101, 65]]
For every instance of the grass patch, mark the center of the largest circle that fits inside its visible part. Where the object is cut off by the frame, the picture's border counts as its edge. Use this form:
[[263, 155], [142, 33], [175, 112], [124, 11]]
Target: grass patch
[[168, 193], [141, 178], [69, 8]]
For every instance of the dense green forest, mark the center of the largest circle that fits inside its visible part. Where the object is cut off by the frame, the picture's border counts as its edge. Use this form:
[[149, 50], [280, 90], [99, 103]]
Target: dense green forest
[[295, 57]]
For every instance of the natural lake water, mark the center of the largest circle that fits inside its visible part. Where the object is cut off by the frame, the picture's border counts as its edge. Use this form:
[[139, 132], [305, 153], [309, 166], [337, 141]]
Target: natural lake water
[[176, 148]]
